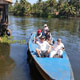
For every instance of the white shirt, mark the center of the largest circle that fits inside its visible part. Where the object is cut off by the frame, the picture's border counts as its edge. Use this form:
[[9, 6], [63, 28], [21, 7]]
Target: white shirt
[[45, 29], [57, 47], [43, 46]]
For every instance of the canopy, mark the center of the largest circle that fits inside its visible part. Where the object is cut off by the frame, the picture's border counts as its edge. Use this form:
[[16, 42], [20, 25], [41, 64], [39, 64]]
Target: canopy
[[5, 1]]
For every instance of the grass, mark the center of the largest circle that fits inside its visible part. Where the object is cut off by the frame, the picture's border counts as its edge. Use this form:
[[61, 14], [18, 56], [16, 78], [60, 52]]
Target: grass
[[10, 40]]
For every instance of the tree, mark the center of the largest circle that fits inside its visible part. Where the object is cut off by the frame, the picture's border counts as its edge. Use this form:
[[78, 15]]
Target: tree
[[11, 8], [16, 1], [49, 8], [39, 1], [22, 8], [51, 3], [23, 2], [68, 10]]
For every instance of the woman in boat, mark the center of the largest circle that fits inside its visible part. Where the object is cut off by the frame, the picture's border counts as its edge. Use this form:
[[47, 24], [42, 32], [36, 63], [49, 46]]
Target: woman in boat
[[43, 47], [57, 49]]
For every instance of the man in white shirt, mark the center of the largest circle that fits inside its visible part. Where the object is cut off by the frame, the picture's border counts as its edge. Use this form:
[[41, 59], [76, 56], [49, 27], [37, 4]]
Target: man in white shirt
[[57, 49], [43, 47]]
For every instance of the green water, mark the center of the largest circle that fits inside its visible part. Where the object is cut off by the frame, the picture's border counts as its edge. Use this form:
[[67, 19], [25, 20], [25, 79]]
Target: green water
[[13, 57]]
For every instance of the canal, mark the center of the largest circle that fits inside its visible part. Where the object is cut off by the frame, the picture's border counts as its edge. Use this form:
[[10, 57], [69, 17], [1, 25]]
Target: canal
[[13, 57]]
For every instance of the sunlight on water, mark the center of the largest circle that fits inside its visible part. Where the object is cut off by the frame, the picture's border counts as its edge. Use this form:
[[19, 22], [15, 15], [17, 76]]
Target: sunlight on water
[[13, 57]]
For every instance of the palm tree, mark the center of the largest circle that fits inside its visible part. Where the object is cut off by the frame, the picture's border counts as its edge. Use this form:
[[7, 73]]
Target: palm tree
[[23, 2], [39, 1], [51, 2], [16, 1]]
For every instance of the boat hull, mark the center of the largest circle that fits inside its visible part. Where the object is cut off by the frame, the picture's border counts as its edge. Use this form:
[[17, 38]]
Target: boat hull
[[51, 68]]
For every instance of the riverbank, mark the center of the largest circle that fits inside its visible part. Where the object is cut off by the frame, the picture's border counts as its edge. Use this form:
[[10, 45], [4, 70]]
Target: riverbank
[[34, 16]]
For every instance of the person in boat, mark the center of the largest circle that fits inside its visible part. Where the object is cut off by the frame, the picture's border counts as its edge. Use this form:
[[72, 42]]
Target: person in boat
[[39, 34], [48, 35], [43, 47], [49, 40], [57, 49], [45, 28]]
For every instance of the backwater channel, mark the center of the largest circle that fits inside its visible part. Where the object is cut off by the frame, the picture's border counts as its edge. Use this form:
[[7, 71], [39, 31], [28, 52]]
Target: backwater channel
[[13, 57]]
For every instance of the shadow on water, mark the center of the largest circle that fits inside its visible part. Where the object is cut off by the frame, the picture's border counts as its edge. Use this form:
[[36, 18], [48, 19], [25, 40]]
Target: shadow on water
[[6, 63], [19, 55], [34, 73], [13, 63]]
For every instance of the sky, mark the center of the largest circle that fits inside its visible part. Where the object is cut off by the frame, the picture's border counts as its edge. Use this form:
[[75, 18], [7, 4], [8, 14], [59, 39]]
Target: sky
[[31, 1]]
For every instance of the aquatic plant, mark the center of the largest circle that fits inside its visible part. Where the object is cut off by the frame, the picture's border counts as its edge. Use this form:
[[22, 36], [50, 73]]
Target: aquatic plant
[[10, 40]]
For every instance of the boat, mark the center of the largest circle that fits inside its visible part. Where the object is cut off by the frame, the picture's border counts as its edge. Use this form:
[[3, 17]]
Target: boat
[[50, 68]]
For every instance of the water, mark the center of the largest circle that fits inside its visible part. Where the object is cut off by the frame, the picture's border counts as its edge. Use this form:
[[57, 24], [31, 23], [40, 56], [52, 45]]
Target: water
[[13, 57]]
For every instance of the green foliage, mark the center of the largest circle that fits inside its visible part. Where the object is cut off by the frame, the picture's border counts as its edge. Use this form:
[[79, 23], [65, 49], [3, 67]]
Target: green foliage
[[68, 10], [10, 8], [51, 3], [49, 8], [10, 40], [21, 8]]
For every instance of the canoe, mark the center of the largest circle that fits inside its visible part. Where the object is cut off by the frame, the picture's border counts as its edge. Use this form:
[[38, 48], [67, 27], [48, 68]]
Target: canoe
[[51, 68]]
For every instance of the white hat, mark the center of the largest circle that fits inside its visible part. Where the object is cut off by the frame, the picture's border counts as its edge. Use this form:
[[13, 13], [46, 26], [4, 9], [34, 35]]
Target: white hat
[[45, 24]]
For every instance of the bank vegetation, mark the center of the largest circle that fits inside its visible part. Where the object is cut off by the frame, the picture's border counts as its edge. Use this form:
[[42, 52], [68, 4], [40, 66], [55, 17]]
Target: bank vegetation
[[49, 8]]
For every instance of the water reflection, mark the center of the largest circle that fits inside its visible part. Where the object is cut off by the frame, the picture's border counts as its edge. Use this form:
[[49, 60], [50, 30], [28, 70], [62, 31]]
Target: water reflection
[[67, 29], [72, 26], [6, 63], [19, 54]]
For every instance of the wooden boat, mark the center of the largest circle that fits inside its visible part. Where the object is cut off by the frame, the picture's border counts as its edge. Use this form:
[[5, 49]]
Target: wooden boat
[[51, 68]]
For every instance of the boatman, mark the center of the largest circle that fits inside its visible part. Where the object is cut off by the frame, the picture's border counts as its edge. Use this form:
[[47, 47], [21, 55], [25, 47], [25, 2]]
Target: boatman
[[46, 28], [43, 47], [57, 49]]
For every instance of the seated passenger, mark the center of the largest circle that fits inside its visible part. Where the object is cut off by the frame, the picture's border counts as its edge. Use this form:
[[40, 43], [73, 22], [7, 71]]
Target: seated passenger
[[48, 35], [57, 49], [49, 40], [45, 28], [43, 47], [38, 35]]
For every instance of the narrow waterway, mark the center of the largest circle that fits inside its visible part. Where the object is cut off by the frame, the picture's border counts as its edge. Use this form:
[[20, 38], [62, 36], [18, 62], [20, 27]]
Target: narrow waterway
[[13, 57]]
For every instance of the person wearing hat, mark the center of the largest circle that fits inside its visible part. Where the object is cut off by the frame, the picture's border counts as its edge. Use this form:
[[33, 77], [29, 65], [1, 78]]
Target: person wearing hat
[[38, 34], [57, 49], [46, 28], [43, 47]]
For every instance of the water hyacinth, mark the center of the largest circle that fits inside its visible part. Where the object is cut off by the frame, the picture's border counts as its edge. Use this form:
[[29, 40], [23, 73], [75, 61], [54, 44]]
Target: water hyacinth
[[10, 40]]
